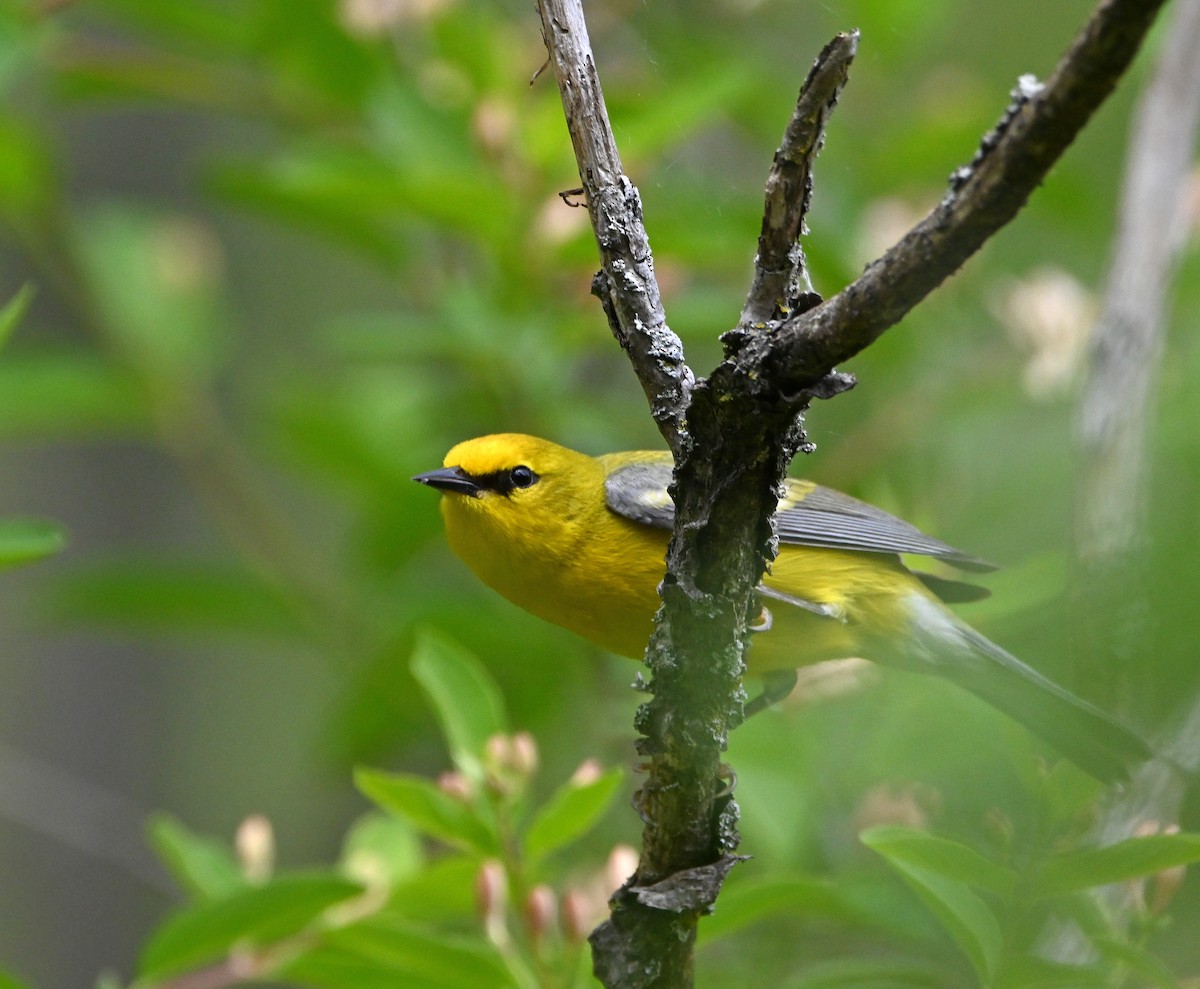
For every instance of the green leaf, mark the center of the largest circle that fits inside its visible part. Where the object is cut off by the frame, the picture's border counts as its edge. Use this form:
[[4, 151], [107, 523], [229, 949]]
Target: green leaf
[[1029, 972], [256, 916], [964, 915], [28, 173], [940, 855], [172, 596], [26, 540], [203, 28], [381, 848], [427, 808], [1129, 859], [157, 281], [10, 982], [689, 106], [744, 903], [570, 811], [1082, 909], [306, 48], [442, 893], [885, 973], [204, 866], [14, 311], [275, 192], [1148, 968], [60, 394], [464, 697], [385, 952], [18, 46]]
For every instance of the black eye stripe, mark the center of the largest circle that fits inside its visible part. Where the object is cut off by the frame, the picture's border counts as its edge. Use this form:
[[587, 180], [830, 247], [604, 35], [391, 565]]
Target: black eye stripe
[[505, 482]]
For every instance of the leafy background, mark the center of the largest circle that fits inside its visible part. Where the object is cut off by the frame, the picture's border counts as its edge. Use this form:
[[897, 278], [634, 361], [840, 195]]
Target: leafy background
[[285, 254]]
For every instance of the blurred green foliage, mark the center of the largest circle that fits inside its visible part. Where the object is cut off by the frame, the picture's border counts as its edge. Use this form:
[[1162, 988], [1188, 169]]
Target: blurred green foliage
[[23, 540], [287, 253], [389, 914]]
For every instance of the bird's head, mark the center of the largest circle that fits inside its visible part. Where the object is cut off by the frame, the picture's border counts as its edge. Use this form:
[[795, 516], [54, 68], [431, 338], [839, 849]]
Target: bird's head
[[519, 487]]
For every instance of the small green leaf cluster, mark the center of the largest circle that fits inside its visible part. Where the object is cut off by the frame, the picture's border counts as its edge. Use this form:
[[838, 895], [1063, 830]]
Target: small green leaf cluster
[[397, 908], [999, 917]]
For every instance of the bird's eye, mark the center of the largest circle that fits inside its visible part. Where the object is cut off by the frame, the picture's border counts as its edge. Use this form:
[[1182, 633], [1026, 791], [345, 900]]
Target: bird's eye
[[522, 476]]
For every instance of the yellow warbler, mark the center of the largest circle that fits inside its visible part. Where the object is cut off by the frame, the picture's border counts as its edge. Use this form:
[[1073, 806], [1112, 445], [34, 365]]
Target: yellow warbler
[[580, 541]]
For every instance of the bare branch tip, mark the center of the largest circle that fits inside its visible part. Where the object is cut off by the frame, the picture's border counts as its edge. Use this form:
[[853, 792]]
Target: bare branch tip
[[847, 41], [834, 383], [840, 49]]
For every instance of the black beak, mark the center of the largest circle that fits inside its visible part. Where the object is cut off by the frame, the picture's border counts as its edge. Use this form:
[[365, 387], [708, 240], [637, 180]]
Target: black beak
[[450, 479]]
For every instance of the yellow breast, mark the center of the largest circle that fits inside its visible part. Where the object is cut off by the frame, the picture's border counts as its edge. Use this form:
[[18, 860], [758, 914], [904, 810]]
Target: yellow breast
[[597, 574]]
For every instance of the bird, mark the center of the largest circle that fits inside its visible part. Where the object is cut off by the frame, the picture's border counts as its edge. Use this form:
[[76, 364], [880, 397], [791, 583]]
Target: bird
[[580, 541]]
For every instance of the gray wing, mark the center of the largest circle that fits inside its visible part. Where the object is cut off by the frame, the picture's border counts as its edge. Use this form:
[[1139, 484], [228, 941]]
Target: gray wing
[[639, 492], [809, 515]]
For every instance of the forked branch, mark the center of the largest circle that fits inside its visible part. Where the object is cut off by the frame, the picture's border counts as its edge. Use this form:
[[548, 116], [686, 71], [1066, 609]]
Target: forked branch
[[734, 433]]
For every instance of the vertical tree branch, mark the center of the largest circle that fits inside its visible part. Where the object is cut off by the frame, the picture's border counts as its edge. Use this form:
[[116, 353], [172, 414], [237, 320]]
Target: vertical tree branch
[[627, 286], [734, 434], [649, 939], [730, 456]]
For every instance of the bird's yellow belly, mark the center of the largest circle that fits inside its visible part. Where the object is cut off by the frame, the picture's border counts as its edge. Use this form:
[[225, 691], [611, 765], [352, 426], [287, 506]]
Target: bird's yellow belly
[[864, 591], [609, 595]]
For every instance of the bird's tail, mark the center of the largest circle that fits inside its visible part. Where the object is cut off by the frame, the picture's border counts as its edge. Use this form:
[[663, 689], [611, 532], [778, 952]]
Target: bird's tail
[[1081, 732]]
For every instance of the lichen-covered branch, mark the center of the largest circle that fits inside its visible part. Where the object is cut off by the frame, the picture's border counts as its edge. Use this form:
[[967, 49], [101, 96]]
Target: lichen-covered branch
[[627, 288], [730, 456]]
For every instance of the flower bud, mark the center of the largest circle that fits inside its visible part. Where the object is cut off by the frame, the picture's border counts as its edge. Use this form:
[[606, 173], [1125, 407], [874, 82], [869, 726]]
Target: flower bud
[[588, 772], [497, 760], [622, 863], [491, 894], [496, 750], [254, 843], [578, 915], [540, 908], [523, 754], [492, 124], [1165, 883], [509, 761], [1163, 887], [455, 785], [1000, 826], [911, 806]]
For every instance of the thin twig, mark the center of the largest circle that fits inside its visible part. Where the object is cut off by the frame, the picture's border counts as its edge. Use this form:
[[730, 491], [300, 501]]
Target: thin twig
[[1012, 161], [781, 283]]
